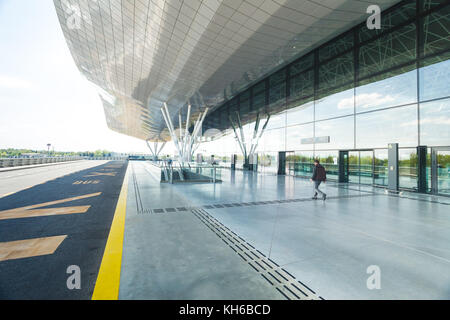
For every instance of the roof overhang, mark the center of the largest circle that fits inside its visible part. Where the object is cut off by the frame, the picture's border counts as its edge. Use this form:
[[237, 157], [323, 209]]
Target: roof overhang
[[144, 53]]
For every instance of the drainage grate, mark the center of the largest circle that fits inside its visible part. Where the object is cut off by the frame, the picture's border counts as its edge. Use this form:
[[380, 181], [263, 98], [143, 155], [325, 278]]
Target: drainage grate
[[283, 281]]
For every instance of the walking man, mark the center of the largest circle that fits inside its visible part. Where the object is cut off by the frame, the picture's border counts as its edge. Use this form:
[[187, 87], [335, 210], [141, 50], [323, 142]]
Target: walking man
[[319, 176]]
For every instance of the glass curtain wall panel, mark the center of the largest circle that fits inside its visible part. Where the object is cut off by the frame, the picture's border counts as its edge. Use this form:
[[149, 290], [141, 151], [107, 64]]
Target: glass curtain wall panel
[[302, 113], [295, 135], [379, 128], [393, 49], [435, 123], [395, 88], [340, 132], [436, 31], [434, 77]]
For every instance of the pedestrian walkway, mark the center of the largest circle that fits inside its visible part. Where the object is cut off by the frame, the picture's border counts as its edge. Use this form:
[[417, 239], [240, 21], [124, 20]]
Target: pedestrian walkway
[[257, 236]]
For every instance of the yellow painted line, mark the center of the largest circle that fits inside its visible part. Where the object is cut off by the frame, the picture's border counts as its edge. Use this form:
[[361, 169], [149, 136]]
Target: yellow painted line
[[32, 211], [29, 248], [108, 279]]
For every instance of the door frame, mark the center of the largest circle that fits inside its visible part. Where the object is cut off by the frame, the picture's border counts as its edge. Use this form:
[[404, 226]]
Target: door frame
[[343, 163], [288, 171], [434, 167]]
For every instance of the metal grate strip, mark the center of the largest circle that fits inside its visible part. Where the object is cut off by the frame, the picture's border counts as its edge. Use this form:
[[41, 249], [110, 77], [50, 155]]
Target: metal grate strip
[[231, 205], [283, 281]]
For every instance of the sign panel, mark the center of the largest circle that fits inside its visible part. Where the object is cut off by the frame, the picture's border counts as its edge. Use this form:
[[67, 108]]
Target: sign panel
[[325, 139]]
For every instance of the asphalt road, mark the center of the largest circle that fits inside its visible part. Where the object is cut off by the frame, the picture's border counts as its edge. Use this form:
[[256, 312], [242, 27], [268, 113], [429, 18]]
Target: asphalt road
[[25, 178], [73, 235]]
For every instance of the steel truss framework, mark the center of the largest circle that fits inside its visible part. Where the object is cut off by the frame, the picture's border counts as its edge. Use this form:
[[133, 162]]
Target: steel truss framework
[[413, 30]]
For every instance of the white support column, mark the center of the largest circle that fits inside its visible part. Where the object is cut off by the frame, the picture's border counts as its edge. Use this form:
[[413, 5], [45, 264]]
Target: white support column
[[242, 134], [197, 130], [183, 143], [151, 150], [161, 148], [169, 124], [186, 134], [255, 134], [260, 135], [192, 139]]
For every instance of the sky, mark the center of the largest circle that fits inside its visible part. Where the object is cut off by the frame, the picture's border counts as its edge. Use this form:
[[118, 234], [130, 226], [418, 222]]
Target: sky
[[43, 97]]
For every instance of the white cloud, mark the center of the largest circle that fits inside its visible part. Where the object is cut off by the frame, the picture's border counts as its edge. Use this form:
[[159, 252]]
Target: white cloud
[[14, 83], [433, 121], [346, 103], [437, 121], [366, 100]]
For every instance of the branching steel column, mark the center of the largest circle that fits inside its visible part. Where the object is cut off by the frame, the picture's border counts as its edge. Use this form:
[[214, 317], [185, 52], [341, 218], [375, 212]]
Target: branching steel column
[[196, 131], [260, 135], [151, 150], [236, 135], [256, 137], [161, 148], [169, 124], [186, 134], [155, 150], [242, 134], [255, 133], [184, 143]]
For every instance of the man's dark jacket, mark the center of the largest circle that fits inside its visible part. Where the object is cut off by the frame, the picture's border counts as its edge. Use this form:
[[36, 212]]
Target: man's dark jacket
[[319, 173]]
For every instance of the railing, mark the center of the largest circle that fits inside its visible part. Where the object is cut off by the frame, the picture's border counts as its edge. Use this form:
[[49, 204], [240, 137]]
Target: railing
[[189, 172], [214, 173], [117, 158], [17, 162]]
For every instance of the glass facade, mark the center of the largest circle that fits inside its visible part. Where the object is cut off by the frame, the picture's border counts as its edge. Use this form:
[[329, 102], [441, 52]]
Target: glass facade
[[359, 92]]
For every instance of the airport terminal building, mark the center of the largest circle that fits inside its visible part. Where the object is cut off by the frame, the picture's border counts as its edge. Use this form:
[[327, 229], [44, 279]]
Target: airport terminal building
[[236, 100], [284, 82]]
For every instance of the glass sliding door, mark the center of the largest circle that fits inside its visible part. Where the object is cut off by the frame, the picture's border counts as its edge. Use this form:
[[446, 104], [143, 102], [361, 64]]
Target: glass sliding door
[[329, 160], [440, 171], [407, 168], [353, 166], [299, 163], [360, 166], [380, 169], [290, 163], [366, 167]]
